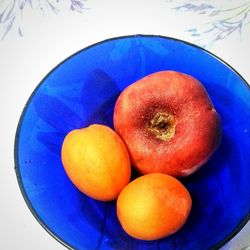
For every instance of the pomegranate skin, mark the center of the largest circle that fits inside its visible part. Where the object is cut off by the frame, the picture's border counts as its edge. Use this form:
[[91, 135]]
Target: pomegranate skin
[[168, 123]]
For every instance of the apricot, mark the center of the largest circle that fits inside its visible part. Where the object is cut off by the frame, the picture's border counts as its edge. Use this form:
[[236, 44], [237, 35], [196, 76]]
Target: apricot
[[168, 123], [96, 161], [153, 206]]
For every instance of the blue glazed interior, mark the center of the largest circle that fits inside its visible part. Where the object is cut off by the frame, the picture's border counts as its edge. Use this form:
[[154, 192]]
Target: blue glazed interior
[[83, 90]]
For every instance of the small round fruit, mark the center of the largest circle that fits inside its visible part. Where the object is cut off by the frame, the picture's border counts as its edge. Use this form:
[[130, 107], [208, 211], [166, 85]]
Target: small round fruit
[[168, 123], [96, 161], [153, 206]]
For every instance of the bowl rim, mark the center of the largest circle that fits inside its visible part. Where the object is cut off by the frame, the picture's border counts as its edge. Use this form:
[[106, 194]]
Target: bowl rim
[[221, 243]]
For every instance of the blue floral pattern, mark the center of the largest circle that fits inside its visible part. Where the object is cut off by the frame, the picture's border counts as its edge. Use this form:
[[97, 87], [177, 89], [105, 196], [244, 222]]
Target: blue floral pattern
[[223, 20], [11, 12]]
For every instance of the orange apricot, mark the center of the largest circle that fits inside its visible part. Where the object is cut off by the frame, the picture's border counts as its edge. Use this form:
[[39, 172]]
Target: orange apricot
[[96, 161], [153, 206]]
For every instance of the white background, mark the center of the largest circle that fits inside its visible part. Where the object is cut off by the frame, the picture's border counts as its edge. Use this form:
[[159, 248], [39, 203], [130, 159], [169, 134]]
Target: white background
[[47, 39]]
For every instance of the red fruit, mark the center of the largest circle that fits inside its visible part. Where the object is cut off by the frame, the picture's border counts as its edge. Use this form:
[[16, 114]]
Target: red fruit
[[168, 123]]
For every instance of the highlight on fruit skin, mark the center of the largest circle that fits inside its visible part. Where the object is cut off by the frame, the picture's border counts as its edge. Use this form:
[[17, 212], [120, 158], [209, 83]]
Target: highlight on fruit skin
[[96, 161], [153, 206], [168, 123]]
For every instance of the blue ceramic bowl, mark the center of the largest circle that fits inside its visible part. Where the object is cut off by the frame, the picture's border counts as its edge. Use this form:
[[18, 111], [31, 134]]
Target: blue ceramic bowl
[[83, 90]]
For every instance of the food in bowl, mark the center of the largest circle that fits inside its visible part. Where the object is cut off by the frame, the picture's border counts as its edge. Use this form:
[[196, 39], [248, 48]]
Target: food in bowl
[[168, 123], [153, 206], [96, 161], [167, 126]]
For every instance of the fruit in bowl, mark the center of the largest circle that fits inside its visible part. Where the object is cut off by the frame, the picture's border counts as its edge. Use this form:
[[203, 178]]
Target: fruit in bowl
[[96, 161], [71, 97], [168, 123], [153, 206], [169, 127]]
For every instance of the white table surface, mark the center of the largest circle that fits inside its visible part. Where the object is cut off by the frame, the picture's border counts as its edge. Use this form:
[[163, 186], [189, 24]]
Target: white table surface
[[37, 35]]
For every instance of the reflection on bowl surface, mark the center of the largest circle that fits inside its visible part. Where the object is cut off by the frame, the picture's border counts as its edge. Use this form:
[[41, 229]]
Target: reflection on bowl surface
[[83, 90]]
